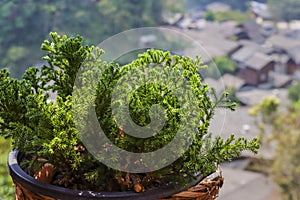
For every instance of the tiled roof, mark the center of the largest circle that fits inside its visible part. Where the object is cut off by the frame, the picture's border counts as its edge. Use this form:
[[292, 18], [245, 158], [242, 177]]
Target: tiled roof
[[254, 31], [213, 43], [232, 81], [283, 42], [281, 80], [258, 61], [246, 52]]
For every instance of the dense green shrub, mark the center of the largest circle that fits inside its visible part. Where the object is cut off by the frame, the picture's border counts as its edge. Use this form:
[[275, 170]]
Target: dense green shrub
[[44, 128], [6, 185], [221, 65], [293, 92]]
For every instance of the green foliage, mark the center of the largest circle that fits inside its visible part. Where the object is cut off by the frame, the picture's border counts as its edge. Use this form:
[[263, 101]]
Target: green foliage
[[286, 170], [65, 56], [265, 108], [265, 112], [145, 96], [222, 101], [22, 29], [223, 65], [285, 133], [210, 16], [16, 53], [25, 24], [175, 6], [232, 95], [38, 127], [233, 15], [284, 10], [293, 92], [44, 128], [6, 185]]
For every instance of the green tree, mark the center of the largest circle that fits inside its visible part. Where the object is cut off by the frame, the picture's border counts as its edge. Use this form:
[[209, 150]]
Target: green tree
[[26, 24], [293, 92], [21, 30], [229, 15], [224, 65], [286, 167], [210, 16], [265, 112], [234, 15], [6, 185], [287, 10], [232, 91], [52, 127], [175, 6], [266, 108]]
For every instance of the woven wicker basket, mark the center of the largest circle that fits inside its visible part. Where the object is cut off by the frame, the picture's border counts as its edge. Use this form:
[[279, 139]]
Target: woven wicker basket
[[207, 189]]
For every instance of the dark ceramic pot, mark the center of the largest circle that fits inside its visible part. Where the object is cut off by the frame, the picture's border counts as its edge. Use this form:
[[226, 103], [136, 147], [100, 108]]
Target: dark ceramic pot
[[28, 188]]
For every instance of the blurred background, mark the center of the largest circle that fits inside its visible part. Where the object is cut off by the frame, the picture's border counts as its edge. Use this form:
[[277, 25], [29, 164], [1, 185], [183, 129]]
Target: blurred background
[[253, 52]]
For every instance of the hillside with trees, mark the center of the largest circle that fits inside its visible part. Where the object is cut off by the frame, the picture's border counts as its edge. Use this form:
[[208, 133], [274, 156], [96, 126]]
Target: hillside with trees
[[26, 24]]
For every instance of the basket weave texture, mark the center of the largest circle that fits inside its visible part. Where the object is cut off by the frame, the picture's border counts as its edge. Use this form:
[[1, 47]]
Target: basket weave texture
[[22, 193], [207, 189]]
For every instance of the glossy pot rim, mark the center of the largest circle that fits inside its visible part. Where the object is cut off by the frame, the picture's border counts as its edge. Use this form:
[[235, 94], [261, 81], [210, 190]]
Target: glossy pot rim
[[27, 181]]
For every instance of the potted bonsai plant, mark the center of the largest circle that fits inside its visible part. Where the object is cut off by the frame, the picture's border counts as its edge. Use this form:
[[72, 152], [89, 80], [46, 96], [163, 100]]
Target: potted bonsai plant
[[55, 156]]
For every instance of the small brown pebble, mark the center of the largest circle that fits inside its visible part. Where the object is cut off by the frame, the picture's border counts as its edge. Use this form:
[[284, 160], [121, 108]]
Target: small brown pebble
[[45, 174], [138, 188]]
